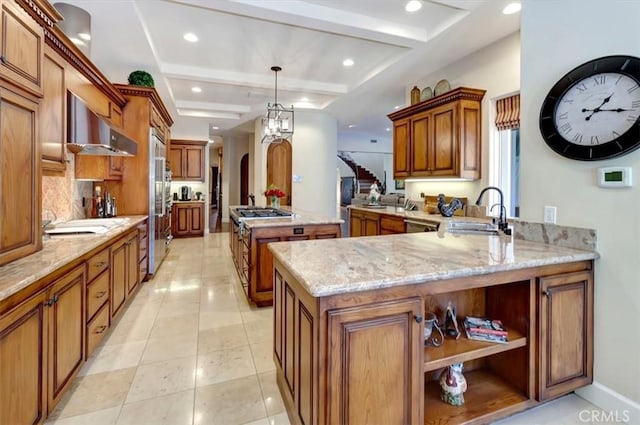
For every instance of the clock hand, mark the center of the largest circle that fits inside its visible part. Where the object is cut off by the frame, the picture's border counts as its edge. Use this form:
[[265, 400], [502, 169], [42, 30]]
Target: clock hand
[[617, 110], [593, 111]]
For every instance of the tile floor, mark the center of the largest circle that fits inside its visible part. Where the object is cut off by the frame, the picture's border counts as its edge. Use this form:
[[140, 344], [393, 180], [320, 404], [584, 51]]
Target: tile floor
[[189, 350]]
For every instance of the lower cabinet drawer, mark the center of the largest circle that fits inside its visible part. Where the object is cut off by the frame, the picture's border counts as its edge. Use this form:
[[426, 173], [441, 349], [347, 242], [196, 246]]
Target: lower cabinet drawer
[[97, 294], [142, 247], [394, 225], [97, 329], [143, 270]]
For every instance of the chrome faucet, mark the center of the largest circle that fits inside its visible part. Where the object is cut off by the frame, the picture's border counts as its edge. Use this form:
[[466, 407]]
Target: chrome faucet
[[253, 199], [502, 218]]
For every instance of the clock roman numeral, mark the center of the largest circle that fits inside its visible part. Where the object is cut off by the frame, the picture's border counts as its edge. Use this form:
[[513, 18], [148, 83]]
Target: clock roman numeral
[[618, 80], [563, 116], [577, 137], [632, 89], [635, 104], [567, 100], [565, 128], [615, 135], [632, 118], [599, 79], [594, 140], [583, 87]]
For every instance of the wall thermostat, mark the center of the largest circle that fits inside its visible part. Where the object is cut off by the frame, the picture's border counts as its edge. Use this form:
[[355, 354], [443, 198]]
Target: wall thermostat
[[614, 177]]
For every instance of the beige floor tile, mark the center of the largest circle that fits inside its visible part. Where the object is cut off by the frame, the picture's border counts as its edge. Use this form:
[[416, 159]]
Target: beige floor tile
[[173, 307], [279, 419], [172, 409], [162, 378], [563, 411], [113, 357], [262, 353], [161, 349], [233, 402], [217, 319], [99, 417], [172, 326], [222, 338], [224, 365], [258, 314], [142, 310], [129, 331], [271, 393], [95, 392], [259, 331], [263, 421]]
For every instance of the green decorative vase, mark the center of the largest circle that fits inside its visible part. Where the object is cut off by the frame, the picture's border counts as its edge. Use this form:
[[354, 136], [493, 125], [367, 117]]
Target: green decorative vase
[[275, 202]]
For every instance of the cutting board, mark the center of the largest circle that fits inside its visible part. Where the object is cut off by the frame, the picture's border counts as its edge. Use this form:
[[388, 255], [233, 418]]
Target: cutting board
[[431, 204]]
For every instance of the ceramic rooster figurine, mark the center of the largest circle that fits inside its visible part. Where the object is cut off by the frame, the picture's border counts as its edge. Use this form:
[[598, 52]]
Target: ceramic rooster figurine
[[447, 210], [453, 384]]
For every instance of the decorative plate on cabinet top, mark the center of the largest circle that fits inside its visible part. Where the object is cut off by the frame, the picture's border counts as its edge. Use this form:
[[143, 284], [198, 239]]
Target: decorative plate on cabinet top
[[443, 86], [426, 93]]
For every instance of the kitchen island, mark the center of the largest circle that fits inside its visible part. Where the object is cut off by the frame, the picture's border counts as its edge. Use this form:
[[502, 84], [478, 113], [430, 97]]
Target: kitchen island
[[248, 239], [348, 326]]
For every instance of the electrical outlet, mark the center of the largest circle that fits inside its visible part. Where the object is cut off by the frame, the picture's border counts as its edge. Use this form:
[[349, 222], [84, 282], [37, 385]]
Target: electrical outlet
[[550, 214], [422, 194]]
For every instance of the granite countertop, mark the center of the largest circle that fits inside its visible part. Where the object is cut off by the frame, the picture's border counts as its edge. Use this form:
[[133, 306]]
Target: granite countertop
[[334, 266], [201, 201], [299, 218], [56, 252], [417, 215]]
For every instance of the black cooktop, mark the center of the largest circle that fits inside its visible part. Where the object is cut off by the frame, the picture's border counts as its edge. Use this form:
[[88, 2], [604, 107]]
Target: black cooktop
[[262, 213]]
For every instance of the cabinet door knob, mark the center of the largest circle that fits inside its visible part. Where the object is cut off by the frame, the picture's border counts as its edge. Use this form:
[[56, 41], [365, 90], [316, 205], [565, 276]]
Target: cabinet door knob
[[101, 294], [418, 319], [100, 329], [101, 264], [546, 293]]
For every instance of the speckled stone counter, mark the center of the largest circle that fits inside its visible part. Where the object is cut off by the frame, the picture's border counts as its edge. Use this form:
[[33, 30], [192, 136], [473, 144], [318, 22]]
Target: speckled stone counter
[[328, 267], [299, 218], [56, 252], [417, 215]]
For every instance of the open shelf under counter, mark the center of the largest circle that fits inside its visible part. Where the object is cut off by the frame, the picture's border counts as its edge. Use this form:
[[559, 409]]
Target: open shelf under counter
[[464, 349], [486, 395]]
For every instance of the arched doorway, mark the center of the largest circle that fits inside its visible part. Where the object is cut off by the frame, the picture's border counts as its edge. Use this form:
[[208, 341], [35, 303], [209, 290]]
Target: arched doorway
[[244, 180], [279, 168]]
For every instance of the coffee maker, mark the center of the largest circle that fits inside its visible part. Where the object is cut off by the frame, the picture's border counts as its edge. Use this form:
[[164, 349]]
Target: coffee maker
[[185, 193]]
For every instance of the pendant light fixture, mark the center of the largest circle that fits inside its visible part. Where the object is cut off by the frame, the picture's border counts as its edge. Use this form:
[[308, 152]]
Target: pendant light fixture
[[278, 123]]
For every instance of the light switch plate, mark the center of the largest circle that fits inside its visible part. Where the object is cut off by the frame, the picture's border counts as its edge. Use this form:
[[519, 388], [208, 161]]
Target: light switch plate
[[296, 178], [550, 214]]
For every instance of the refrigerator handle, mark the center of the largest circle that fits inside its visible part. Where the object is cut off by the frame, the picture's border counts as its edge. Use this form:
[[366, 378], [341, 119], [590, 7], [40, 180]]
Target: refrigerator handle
[[163, 179]]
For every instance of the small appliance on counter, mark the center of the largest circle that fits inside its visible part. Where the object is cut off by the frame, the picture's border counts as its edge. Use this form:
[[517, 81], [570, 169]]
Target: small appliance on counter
[[185, 193]]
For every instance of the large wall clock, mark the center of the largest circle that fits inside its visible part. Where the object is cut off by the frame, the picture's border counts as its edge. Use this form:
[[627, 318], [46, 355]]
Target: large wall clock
[[593, 112]]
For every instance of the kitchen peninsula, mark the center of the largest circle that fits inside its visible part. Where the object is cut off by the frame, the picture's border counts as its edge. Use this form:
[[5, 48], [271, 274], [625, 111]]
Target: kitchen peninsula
[[249, 236], [349, 320]]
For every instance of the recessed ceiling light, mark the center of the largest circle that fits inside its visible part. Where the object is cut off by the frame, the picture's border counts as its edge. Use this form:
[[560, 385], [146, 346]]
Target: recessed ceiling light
[[413, 6], [304, 99], [387, 129], [196, 89], [396, 107], [348, 62], [77, 41], [84, 36], [191, 37], [215, 127], [351, 125], [512, 8]]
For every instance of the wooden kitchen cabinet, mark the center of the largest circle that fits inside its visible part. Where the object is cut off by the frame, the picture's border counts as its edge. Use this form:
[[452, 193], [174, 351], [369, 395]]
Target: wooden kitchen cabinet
[[362, 223], [439, 137], [98, 283], [186, 159], [53, 114], [188, 219], [566, 333], [20, 185], [66, 309], [23, 358], [21, 48], [124, 271]]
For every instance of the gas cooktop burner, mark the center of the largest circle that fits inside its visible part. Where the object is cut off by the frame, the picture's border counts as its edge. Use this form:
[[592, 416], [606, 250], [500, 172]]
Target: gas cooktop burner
[[262, 213]]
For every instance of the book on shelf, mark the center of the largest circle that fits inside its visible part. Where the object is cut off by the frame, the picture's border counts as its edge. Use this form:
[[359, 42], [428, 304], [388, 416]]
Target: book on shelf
[[484, 329]]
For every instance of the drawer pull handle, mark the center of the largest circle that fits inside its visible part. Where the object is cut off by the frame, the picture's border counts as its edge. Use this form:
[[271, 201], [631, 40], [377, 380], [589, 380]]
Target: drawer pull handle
[[100, 329], [547, 293], [418, 319], [100, 264], [101, 294]]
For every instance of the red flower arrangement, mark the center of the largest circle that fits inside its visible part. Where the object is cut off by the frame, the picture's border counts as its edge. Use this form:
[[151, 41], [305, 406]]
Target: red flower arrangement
[[274, 191]]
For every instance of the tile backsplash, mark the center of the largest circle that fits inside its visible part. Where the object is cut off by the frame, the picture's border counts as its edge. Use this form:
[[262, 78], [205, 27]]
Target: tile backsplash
[[62, 196]]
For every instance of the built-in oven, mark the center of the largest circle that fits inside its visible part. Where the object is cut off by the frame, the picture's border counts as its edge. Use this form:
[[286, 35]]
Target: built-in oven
[[418, 226]]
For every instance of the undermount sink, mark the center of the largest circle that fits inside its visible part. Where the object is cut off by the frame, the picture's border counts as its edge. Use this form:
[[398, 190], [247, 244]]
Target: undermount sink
[[472, 227]]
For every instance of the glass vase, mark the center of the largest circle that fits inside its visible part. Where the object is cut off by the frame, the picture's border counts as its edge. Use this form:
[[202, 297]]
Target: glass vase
[[275, 202]]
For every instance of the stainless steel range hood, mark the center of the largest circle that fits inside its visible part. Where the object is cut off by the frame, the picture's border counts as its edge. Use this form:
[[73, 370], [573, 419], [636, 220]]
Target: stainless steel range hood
[[90, 134]]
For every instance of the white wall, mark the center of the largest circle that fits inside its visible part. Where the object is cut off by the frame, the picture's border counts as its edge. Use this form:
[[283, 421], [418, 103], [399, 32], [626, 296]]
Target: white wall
[[355, 141], [232, 152], [314, 155], [496, 69], [556, 37]]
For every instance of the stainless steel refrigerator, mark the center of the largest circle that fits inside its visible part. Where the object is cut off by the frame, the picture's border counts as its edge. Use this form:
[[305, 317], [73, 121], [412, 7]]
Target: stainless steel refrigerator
[[159, 201]]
